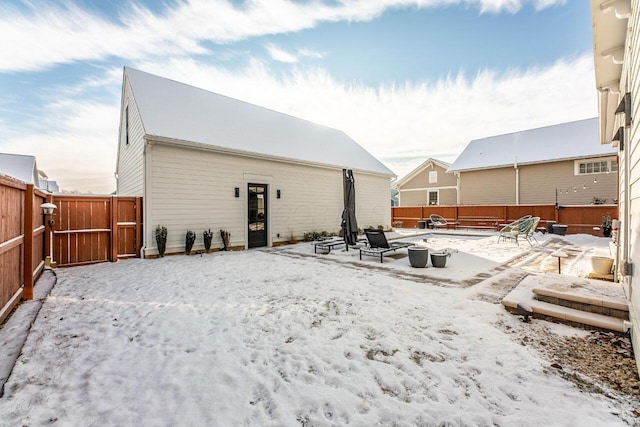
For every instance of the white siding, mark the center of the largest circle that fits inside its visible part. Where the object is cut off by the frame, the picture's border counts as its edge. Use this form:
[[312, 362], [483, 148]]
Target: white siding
[[630, 164], [194, 189], [130, 156]]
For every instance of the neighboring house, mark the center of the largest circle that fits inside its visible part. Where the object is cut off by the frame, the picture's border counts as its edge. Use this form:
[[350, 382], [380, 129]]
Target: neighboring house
[[25, 169], [205, 161], [616, 49], [20, 167], [533, 166], [428, 184]]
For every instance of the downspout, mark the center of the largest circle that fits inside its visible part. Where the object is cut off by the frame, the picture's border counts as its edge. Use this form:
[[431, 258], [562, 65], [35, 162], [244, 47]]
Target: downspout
[[627, 210], [515, 166], [457, 174], [145, 211]]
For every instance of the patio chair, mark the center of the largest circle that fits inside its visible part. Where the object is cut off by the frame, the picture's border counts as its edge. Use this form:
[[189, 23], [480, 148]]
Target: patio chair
[[377, 244], [532, 229], [519, 227], [438, 221]]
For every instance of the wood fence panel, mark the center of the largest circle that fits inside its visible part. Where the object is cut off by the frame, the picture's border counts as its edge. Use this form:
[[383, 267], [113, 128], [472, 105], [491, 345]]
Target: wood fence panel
[[579, 219], [12, 196], [545, 212], [91, 229]]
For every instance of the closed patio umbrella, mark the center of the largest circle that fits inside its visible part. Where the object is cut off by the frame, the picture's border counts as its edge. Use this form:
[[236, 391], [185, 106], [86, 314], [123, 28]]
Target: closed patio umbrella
[[349, 223]]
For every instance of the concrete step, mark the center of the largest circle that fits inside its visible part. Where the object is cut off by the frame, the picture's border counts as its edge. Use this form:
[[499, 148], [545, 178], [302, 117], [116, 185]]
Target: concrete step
[[587, 302], [608, 306], [570, 315]]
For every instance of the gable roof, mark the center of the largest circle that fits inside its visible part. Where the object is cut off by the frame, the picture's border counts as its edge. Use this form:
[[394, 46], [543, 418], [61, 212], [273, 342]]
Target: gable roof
[[177, 111], [416, 171], [20, 167], [566, 141]]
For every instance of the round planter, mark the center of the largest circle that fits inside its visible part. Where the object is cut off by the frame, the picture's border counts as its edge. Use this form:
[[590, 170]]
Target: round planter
[[418, 256], [601, 264], [439, 260]]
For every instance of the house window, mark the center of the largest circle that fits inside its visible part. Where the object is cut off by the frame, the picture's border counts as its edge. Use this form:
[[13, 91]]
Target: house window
[[433, 177], [126, 125], [433, 198], [595, 166]]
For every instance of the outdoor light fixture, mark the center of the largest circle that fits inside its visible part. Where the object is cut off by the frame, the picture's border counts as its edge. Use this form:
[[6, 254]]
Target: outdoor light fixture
[[278, 194], [47, 210], [237, 192], [584, 186], [595, 180]]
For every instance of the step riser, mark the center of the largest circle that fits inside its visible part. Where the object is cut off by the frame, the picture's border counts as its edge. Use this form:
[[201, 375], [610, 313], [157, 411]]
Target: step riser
[[575, 324], [589, 308]]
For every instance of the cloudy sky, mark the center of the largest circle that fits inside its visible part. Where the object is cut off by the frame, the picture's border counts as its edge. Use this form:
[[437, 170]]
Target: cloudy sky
[[407, 79]]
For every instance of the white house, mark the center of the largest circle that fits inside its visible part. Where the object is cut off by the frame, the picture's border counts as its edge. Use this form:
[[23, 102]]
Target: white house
[[616, 51], [205, 161]]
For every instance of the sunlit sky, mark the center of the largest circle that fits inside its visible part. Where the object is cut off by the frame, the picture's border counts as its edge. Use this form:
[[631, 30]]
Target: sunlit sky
[[408, 80]]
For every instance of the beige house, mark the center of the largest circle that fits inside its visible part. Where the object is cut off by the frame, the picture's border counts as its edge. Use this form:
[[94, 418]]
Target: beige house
[[616, 50], [205, 161], [561, 164], [428, 184]]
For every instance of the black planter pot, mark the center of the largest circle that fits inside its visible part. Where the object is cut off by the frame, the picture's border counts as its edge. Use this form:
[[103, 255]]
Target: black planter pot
[[606, 231], [439, 260], [418, 256]]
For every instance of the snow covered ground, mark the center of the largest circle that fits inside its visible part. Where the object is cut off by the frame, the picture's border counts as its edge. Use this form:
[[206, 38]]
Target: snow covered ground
[[284, 337]]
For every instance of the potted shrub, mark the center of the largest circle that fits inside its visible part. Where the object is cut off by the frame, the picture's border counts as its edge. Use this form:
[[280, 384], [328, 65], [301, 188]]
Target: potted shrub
[[606, 225], [189, 241], [208, 237], [225, 239], [161, 239]]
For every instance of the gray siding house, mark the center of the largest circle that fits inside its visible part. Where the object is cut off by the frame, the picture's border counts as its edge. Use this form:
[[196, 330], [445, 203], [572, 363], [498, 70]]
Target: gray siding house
[[533, 166], [205, 161], [428, 184]]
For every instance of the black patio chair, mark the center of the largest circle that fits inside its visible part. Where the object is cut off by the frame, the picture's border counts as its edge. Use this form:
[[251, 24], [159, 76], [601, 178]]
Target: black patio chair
[[377, 244]]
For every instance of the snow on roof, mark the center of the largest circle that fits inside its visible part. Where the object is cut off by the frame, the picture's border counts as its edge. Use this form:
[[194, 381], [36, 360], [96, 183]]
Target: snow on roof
[[178, 111], [565, 141], [20, 167]]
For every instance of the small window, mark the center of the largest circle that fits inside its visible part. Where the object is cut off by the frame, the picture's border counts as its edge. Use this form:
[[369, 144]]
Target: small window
[[599, 166], [433, 177], [433, 198], [126, 125]]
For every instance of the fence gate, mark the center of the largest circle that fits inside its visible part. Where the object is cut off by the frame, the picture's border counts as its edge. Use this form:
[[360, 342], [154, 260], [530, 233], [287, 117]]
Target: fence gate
[[90, 229]]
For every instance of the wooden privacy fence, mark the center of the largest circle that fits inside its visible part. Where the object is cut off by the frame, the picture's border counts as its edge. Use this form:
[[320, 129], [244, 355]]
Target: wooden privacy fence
[[90, 229], [22, 235], [579, 219], [86, 229]]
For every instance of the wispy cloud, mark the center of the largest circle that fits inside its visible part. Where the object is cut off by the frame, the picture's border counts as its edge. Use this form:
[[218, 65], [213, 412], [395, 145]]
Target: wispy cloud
[[45, 34], [279, 54]]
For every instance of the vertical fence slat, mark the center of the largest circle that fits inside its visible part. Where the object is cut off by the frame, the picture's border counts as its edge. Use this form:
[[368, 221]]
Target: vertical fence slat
[[27, 258]]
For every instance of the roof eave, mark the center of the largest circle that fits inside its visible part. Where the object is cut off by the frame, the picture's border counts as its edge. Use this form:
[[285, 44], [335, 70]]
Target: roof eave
[[511, 165], [610, 20]]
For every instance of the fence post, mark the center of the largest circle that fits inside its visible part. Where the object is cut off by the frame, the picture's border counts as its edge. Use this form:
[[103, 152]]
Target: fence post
[[27, 245], [114, 229], [138, 225]]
